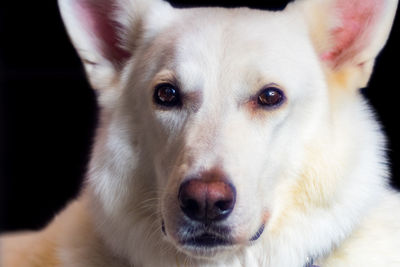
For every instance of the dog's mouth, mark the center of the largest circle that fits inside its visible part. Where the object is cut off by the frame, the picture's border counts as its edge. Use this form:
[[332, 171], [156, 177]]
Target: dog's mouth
[[211, 237], [205, 236], [206, 240]]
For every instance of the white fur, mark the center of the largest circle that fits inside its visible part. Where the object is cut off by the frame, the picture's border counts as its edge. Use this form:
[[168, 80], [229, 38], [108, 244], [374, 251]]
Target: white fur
[[315, 167]]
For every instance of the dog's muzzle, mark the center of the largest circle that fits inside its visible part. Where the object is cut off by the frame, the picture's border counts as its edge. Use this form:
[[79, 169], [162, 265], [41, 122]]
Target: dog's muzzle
[[206, 203], [198, 221]]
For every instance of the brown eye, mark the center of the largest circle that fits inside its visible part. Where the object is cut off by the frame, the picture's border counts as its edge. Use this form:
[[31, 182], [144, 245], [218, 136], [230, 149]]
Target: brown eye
[[166, 94], [271, 97]]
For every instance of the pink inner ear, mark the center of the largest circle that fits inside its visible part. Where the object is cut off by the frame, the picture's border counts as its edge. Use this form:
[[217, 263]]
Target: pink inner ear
[[357, 18], [95, 17]]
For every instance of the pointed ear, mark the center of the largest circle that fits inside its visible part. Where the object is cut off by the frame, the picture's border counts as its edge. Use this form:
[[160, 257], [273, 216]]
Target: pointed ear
[[349, 34], [103, 33]]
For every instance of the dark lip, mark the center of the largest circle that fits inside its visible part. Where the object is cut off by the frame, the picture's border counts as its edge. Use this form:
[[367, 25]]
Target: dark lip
[[207, 240], [258, 233], [207, 236], [212, 239]]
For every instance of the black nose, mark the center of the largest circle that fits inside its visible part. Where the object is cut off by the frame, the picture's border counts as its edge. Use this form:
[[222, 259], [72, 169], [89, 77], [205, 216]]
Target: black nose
[[207, 201]]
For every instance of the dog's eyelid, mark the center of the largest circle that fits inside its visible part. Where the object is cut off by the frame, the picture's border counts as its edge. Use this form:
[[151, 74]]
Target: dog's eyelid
[[165, 76], [163, 81], [272, 85]]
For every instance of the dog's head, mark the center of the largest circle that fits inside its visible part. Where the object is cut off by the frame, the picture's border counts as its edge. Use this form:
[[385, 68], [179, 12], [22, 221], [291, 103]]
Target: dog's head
[[212, 117]]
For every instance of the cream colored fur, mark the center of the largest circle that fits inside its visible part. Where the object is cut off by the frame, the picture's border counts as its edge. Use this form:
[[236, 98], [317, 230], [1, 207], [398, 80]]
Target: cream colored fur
[[313, 170]]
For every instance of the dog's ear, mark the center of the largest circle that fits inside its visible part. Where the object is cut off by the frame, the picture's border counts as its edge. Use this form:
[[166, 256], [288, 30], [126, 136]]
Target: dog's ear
[[349, 34], [103, 33]]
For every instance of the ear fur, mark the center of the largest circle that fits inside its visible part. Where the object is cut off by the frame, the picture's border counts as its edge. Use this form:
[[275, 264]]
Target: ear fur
[[349, 34], [103, 33]]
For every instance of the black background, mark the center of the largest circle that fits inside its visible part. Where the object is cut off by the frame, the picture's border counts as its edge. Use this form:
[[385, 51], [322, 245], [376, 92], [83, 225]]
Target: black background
[[48, 112]]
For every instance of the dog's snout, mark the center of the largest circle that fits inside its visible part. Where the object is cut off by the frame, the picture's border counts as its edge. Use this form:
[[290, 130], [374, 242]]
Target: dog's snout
[[207, 201]]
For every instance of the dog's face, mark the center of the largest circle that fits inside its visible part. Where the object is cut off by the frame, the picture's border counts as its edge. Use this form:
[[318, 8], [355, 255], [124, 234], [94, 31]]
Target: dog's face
[[220, 110], [212, 111]]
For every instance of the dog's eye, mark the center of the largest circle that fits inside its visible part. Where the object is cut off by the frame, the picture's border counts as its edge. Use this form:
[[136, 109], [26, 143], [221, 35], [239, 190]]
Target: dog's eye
[[166, 94], [271, 96]]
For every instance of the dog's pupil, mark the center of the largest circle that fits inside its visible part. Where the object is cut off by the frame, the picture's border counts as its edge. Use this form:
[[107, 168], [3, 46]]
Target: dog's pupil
[[270, 97], [166, 94]]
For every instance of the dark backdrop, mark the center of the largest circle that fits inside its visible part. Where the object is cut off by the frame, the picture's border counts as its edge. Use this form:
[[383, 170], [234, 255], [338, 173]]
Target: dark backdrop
[[48, 112]]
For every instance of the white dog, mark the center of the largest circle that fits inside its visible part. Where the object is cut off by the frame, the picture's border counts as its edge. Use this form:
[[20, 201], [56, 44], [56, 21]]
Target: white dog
[[228, 137]]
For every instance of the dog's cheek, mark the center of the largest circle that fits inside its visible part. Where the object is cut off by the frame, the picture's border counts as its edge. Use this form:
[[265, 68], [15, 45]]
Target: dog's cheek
[[268, 157]]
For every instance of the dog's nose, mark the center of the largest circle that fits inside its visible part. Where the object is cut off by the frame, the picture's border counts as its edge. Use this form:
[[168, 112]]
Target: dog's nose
[[207, 201]]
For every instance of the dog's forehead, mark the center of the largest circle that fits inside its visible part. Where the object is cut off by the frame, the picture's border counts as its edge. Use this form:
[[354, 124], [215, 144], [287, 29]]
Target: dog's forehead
[[217, 45]]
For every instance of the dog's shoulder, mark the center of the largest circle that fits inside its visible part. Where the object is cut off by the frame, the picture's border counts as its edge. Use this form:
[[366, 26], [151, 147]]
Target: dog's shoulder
[[45, 248], [29, 249], [376, 241]]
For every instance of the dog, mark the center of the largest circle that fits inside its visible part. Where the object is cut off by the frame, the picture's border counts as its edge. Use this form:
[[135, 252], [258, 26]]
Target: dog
[[227, 137]]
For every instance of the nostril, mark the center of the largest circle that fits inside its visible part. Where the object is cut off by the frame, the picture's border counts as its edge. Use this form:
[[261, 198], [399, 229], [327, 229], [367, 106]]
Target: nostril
[[190, 204], [191, 208], [191, 200], [223, 205]]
